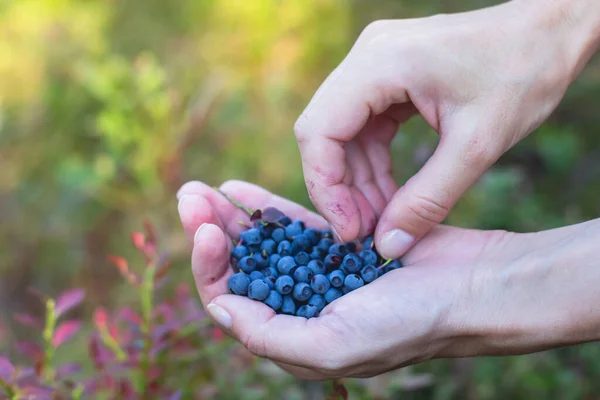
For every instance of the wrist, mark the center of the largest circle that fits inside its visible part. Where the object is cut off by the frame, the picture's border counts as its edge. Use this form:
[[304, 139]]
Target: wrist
[[541, 296]]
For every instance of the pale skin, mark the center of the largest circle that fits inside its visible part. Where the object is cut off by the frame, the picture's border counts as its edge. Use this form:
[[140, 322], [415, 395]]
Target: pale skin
[[462, 292]]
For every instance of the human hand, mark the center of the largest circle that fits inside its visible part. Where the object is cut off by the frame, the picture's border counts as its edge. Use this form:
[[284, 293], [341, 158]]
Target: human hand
[[483, 80], [462, 293]]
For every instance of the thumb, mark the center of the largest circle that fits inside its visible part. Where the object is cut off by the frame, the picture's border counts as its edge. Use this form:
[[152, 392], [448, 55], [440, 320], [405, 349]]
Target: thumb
[[427, 198]]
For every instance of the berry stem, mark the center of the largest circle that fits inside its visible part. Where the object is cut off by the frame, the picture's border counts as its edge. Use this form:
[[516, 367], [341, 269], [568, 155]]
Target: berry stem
[[239, 205], [385, 264]]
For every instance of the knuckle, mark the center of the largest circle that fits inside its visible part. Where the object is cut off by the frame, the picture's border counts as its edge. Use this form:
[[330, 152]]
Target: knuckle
[[255, 345], [301, 129], [428, 209], [374, 30]]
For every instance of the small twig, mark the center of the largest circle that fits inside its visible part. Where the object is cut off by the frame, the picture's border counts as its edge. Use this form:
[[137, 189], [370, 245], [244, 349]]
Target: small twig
[[385, 264], [239, 205]]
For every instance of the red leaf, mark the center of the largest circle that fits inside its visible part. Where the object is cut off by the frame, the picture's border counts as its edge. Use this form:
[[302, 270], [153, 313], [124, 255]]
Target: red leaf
[[6, 369], [339, 391], [31, 350], [272, 215], [217, 334], [150, 231], [100, 318], [256, 215], [65, 331], [27, 320], [139, 240], [68, 300], [120, 263], [130, 316]]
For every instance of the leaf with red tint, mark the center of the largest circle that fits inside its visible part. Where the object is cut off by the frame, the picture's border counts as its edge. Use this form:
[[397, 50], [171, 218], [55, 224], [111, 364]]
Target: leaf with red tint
[[31, 350], [6, 369], [162, 271], [139, 240], [68, 300], [256, 215], [271, 215], [95, 352], [151, 232], [100, 318], [217, 334], [67, 370], [27, 320], [120, 263], [127, 314], [339, 391], [65, 331]]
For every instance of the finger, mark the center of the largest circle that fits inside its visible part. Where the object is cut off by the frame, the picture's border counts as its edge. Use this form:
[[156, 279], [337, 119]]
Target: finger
[[301, 373], [426, 199], [363, 178], [195, 210], [281, 338], [210, 262]]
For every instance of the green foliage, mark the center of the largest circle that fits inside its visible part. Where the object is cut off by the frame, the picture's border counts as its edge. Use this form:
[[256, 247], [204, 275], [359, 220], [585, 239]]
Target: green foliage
[[107, 108]]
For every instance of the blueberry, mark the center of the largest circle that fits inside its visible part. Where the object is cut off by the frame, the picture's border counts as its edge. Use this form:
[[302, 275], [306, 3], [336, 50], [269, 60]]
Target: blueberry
[[261, 262], [332, 262], [337, 278], [239, 252], [269, 246], [303, 274], [254, 249], [318, 301], [289, 306], [266, 230], [326, 233], [346, 290], [285, 220], [270, 281], [317, 267], [284, 248], [254, 275], [278, 235], [302, 258], [258, 290], [285, 265], [300, 243], [369, 257], [338, 249], [251, 237], [351, 246], [274, 300], [238, 283], [353, 282], [392, 266], [274, 259], [284, 284], [320, 284], [314, 235], [292, 230], [325, 244], [302, 292], [307, 311], [332, 294], [270, 271], [318, 254], [299, 223], [247, 264], [368, 243], [368, 273], [352, 264]]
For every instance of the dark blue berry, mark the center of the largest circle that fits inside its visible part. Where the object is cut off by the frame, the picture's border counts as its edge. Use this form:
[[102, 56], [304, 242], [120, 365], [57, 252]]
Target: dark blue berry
[[320, 284], [300, 223], [338, 249], [289, 306], [292, 230], [251, 237], [300, 243], [314, 235], [332, 294], [368, 243], [369, 257], [266, 230], [302, 258], [325, 244], [318, 301], [351, 246], [254, 275], [248, 264], [284, 284], [269, 246], [278, 235], [368, 273], [318, 254], [284, 248], [285, 265], [332, 262], [261, 262], [352, 264], [254, 249], [274, 300], [270, 271], [274, 259], [302, 291], [307, 311], [285, 220], [239, 252], [270, 281], [238, 283], [326, 233], [353, 282], [303, 274], [337, 278], [258, 290], [317, 267]]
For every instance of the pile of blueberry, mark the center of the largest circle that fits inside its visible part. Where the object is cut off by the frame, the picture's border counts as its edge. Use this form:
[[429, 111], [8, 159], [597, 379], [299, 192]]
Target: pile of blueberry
[[297, 270]]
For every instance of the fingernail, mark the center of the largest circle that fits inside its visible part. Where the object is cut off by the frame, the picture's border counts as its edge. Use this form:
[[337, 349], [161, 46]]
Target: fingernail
[[335, 233], [219, 315], [197, 234], [395, 243], [184, 201]]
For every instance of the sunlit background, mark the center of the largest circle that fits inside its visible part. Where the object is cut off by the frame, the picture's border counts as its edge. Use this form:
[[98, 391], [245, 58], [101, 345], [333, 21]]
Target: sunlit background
[[108, 106]]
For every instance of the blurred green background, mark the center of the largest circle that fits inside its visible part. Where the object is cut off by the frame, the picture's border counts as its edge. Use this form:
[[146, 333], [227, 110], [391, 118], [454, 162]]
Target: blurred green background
[[107, 107]]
